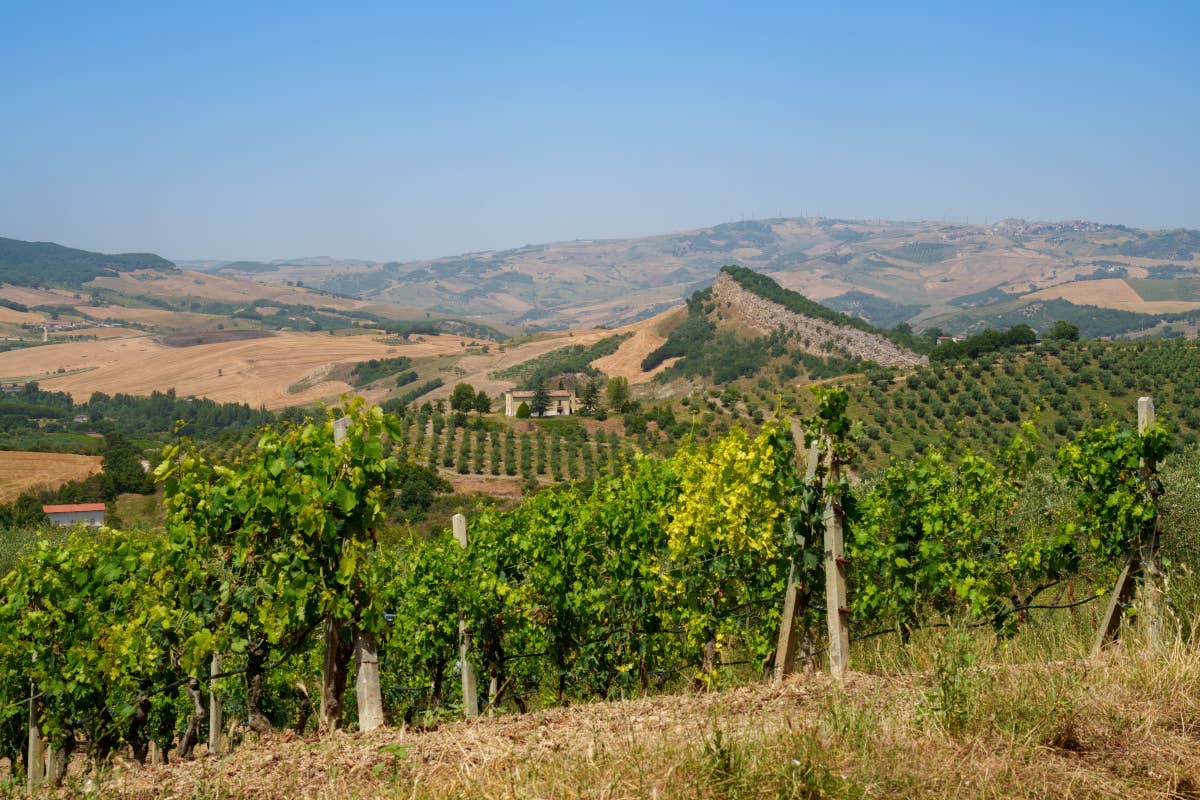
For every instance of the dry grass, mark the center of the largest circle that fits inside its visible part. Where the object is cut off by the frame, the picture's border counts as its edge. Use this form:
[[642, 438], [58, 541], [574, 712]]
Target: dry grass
[[1110, 293], [626, 362], [20, 317], [258, 372], [955, 720], [20, 470], [187, 283], [36, 297]]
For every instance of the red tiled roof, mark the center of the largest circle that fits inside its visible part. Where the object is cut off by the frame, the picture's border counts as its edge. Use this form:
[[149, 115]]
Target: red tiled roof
[[72, 508]]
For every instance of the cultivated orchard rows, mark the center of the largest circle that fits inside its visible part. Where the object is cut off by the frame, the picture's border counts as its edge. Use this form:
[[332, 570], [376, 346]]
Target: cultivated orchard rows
[[269, 595], [564, 452]]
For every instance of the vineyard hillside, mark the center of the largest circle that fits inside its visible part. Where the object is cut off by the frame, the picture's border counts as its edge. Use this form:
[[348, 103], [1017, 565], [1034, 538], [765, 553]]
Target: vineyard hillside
[[1063, 387]]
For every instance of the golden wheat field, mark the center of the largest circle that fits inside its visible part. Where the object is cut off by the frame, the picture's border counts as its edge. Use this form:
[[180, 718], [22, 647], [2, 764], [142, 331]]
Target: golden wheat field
[[20, 470], [274, 371]]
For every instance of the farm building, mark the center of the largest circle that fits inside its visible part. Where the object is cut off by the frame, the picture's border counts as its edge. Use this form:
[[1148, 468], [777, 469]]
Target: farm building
[[562, 401], [90, 515]]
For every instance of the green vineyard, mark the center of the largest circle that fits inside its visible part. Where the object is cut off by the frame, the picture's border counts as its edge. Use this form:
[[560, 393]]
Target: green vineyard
[[637, 574]]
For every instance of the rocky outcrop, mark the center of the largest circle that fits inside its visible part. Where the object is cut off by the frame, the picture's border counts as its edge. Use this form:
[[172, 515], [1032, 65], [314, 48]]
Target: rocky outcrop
[[816, 336]]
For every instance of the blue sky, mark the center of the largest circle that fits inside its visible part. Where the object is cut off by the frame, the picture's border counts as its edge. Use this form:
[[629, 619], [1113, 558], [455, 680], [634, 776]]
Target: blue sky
[[396, 131]]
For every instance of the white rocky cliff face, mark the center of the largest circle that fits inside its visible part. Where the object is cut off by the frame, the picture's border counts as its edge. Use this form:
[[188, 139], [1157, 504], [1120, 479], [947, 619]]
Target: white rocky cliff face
[[815, 336]]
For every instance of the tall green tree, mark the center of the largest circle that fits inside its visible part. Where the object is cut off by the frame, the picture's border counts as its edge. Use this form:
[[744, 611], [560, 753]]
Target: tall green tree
[[483, 403], [462, 398], [617, 394], [540, 402]]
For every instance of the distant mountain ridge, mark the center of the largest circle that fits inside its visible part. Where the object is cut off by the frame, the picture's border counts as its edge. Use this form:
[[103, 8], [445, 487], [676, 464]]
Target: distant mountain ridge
[[45, 263], [884, 271]]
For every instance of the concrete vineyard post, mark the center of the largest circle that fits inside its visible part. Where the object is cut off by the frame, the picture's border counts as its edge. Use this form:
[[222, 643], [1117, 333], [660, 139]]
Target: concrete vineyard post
[[789, 633], [340, 426], [470, 693], [35, 767], [837, 613], [367, 687], [1151, 599], [215, 714]]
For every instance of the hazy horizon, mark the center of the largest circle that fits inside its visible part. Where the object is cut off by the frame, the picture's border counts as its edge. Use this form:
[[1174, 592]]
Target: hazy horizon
[[392, 133]]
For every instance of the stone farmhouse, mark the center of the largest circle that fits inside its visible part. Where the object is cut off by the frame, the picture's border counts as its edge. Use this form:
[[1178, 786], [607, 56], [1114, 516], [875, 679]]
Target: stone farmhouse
[[562, 402]]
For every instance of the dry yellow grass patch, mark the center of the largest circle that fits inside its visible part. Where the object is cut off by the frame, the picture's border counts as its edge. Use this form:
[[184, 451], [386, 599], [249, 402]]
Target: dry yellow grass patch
[[478, 367], [36, 297], [817, 284], [187, 283], [257, 371], [20, 470], [626, 362], [1110, 293], [150, 316], [20, 317], [1125, 728], [106, 333]]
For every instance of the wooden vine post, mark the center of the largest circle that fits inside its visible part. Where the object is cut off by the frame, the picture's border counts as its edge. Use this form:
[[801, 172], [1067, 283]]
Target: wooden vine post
[[470, 693], [1141, 562]]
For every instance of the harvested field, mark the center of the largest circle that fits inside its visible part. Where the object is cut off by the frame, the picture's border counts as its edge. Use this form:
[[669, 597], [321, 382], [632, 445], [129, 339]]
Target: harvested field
[[21, 470], [186, 283], [1110, 293], [480, 366], [107, 333], [158, 317], [258, 372], [36, 297], [627, 361], [20, 317]]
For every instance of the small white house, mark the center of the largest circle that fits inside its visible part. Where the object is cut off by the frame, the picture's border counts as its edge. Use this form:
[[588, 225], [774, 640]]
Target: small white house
[[90, 515], [562, 402]]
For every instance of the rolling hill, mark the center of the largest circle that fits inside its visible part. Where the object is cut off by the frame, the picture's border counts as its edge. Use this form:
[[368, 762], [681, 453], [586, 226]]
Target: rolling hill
[[49, 264], [925, 273]]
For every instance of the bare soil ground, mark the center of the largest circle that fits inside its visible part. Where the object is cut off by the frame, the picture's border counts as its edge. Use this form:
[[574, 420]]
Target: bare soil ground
[[493, 485], [258, 372], [21, 470]]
